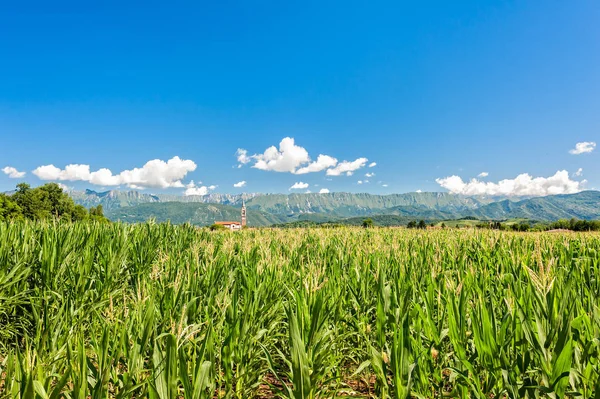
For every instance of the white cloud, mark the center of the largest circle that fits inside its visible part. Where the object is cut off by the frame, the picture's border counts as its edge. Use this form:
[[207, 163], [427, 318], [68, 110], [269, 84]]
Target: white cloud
[[287, 158], [384, 185], [372, 164], [299, 186], [483, 174], [308, 191], [523, 184], [419, 191], [293, 158], [369, 174], [13, 173], [203, 190], [360, 182], [579, 172], [155, 173], [323, 162], [323, 191], [242, 157], [240, 184], [193, 189], [347, 167], [583, 147]]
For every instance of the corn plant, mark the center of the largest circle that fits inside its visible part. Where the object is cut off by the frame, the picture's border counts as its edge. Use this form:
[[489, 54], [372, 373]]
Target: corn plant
[[91, 310]]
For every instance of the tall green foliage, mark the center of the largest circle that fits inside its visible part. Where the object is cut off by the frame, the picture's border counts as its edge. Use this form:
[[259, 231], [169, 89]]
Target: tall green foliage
[[95, 310], [45, 202]]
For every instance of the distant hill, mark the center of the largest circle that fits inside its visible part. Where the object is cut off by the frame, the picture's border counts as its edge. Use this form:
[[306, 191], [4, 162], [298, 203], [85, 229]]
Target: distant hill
[[115, 199], [335, 207], [296, 206], [339, 204], [361, 204], [195, 213], [584, 205]]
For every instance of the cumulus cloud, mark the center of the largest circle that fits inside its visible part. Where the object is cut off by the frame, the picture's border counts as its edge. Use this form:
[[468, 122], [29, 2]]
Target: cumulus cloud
[[155, 173], [242, 157], [583, 148], [323, 191], [384, 185], [419, 191], [299, 186], [193, 189], [483, 174], [347, 167], [579, 172], [360, 182], [287, 158], [203, 190], [13, 173], [240, 184], [293, 158], [372, 164], [369, 174], [323, 162], [523, 184]]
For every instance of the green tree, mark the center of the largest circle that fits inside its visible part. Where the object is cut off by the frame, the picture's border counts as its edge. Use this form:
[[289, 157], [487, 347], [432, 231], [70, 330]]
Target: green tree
[[34, 203], [422, 224], [79, 213], [367, 223], [412, 224], [44, 202], [9, 209], [59, 202], [97, 213], [521, 227], [216, 227]]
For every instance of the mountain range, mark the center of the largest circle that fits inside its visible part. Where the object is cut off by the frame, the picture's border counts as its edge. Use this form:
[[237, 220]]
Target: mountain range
[[268, 209]]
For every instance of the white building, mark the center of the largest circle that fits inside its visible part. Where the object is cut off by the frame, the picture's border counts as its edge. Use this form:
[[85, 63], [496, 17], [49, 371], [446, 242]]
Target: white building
[[234, 226]]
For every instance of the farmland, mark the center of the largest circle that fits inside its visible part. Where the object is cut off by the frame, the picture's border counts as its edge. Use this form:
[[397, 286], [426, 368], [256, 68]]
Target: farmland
[[161, 311]]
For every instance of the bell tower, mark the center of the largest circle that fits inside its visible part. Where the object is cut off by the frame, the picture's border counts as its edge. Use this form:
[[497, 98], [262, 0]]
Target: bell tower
[[243, 213]]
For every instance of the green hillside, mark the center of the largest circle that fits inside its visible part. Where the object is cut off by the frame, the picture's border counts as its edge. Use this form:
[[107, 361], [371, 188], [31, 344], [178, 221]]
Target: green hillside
[[112, 199], [392, 209], [196, 213], [584, 205], [362, 204]]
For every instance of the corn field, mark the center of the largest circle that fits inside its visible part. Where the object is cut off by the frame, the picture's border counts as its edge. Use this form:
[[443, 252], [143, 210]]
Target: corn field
[[161, 311]]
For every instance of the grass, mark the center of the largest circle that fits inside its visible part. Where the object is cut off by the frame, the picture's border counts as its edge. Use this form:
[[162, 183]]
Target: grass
[[163, 311]]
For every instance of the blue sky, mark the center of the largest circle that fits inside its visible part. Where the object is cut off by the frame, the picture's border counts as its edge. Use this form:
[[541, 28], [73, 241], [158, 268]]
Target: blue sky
[[426, 90]]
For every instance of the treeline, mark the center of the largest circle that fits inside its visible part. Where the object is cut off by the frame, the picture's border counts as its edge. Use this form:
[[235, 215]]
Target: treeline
[[45, 202], [563, 224], [576, 225], [414, 225]]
